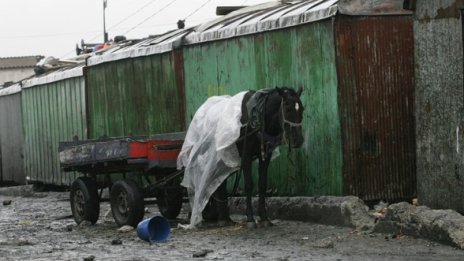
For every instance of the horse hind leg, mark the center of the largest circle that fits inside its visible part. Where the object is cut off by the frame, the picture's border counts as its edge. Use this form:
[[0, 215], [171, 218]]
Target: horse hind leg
[[262, 187], [222, 206], [248, 190]]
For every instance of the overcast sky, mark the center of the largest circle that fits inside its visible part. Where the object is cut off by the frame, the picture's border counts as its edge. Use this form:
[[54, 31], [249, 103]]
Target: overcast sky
[[53, 27]]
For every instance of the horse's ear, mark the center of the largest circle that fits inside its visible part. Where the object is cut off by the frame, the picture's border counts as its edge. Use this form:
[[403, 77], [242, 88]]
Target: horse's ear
[[300, 90]]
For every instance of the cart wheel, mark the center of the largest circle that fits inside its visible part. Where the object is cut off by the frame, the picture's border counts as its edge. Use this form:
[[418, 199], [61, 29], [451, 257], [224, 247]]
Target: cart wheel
[[170, 202], [210, 212], [126, 203], [85, 203]]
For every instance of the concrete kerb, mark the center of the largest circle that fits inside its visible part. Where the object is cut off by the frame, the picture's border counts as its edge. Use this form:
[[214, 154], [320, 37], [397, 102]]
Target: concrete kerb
[[445, 226], [341, 211]]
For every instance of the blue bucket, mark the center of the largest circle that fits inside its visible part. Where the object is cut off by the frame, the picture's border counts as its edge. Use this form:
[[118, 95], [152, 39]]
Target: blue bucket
[[154, 229]]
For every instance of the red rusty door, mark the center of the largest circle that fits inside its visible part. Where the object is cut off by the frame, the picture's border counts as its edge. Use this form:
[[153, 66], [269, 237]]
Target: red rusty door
[[375, 63]]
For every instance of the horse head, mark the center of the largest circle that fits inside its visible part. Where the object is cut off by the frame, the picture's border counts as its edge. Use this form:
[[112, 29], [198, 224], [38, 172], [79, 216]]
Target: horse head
[[291, 116]]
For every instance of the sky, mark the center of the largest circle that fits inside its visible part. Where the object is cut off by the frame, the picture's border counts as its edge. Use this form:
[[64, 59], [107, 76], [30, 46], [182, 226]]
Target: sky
[[54, 27]]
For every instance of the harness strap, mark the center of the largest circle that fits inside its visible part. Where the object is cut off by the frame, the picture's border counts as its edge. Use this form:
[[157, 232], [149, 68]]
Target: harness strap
[[292, 124]]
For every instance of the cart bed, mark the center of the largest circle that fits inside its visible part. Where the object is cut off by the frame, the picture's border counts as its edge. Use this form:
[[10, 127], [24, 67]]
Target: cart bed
[[122, 153]]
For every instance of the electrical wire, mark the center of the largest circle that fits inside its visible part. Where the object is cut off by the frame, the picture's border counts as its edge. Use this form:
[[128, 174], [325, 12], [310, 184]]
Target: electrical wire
[[141, 8], [126, 18], [155, 13], [192, 13], [131, 15]]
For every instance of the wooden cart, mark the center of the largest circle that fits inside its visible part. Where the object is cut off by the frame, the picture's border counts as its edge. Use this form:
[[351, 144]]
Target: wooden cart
[[150, 161]]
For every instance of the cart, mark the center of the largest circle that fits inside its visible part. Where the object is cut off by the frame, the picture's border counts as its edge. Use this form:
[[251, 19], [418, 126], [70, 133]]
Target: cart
[[150, 161]]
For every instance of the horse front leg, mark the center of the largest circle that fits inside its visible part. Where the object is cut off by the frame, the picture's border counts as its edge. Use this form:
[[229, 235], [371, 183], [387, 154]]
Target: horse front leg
[[246, 166], [262, 187]]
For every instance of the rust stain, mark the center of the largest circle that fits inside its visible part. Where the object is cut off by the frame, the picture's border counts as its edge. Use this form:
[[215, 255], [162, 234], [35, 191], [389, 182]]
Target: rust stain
[[180, 83]]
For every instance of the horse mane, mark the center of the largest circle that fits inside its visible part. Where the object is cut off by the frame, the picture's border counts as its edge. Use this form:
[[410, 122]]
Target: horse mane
[[254, 103]]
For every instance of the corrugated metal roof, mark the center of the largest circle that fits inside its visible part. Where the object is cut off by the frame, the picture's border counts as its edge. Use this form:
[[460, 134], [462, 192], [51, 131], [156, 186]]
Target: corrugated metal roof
[[253, 19], [277, 15], [15, 88], [58, 75], [19, 62], [159, 44]]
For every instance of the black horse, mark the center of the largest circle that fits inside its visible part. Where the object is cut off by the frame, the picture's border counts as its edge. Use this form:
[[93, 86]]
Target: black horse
[[270, 117]]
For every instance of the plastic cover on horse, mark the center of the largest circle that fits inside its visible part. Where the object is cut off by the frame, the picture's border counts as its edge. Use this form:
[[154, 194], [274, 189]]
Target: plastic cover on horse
[[209, 154]]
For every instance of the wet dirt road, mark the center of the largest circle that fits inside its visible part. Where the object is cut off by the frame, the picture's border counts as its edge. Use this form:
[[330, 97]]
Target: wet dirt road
[[32, 228]]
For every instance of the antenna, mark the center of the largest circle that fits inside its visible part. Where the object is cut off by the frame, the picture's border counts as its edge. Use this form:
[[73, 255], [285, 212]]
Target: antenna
[[105, 34]]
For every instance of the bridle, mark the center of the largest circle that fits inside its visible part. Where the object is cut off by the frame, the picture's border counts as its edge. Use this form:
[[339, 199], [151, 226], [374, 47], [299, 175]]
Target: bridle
[[284, 120], [290, 123]]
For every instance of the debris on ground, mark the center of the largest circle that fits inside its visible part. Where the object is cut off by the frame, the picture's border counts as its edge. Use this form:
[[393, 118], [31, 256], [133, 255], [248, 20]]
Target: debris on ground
[[85, 223], [324, 243], [380, 211], [202, 253], [125, 229], [6, 202], [116, 242], [89, 258]]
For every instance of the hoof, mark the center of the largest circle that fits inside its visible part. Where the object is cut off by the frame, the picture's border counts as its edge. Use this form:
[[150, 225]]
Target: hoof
[[251, 225], [266, 223]]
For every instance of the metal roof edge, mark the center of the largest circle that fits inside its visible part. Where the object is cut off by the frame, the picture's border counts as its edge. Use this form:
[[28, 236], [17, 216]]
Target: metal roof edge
[[239, 12], [141, 49], [263, 26], [130, 53], [13, 89], [54, 77]]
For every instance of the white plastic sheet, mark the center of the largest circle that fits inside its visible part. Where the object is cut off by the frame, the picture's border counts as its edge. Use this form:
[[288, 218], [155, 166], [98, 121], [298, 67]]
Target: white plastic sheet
[[209, 153]]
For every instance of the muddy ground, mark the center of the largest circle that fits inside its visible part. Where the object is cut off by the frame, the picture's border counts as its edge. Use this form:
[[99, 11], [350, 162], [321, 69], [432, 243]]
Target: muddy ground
[[33, 228]]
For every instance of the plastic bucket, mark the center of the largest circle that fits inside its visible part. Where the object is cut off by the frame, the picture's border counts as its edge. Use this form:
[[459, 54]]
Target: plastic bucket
[[154, 229]]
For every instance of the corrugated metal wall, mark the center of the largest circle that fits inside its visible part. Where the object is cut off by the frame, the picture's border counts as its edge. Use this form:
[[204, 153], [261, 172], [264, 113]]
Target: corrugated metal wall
[[439, 103], [52, 112], [138, 96], [11, 139], [298, 56], [376, 96]]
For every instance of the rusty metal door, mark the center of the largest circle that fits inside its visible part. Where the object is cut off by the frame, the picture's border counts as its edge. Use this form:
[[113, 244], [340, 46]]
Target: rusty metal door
[[375, 62]]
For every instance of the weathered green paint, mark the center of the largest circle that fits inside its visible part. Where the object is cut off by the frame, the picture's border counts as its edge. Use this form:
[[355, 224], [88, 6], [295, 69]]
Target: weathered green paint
[[51, 112], [298, 56], [136, 96]]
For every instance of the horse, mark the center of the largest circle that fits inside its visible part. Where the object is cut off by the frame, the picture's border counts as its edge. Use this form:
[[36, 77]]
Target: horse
[[270, 117]]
